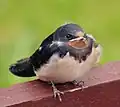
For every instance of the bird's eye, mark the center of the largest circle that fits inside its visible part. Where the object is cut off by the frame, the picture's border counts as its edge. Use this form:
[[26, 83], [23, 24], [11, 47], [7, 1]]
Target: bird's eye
[[69, 36]]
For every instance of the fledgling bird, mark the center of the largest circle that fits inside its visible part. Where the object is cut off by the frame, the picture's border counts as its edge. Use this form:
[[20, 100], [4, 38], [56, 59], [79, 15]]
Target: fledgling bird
[[64, 56]]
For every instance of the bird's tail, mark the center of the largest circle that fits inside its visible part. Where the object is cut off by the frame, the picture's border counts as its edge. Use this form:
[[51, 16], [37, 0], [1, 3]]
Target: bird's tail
[[22, 68]]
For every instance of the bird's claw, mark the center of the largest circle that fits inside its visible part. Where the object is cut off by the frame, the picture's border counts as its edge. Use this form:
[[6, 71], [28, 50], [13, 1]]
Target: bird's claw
[[57, 93], [79, 83]]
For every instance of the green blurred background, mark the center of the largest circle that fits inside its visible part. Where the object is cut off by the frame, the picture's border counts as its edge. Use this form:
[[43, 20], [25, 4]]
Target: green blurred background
[[25, 23]]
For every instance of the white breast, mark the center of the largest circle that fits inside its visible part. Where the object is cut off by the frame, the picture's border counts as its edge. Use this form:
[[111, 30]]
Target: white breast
[[67, 69]]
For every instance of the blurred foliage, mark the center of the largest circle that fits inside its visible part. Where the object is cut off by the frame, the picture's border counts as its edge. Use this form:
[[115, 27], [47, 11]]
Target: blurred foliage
[[25, 23]]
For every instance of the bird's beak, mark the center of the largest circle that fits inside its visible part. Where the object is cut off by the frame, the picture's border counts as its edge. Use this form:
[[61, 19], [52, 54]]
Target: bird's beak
[[80, 38], [79, 42]]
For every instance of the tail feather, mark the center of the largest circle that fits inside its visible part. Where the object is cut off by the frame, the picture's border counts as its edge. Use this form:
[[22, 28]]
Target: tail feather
[[22, 68]]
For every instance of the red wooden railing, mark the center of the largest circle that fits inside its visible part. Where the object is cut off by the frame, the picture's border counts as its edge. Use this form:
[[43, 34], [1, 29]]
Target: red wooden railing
[[102, 89]]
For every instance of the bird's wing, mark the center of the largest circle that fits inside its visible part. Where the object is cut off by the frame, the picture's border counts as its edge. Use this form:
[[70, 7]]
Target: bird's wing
[[43, 54], [26, 67]]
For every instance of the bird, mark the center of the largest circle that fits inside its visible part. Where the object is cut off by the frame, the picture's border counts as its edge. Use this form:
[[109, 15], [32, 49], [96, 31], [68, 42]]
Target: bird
[[65, 55]]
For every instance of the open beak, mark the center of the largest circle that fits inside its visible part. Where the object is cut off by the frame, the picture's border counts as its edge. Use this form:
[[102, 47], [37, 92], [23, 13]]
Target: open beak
[[79, 38], [79, 42]]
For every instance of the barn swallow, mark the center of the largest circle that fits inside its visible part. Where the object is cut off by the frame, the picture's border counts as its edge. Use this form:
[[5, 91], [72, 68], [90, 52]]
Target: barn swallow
[[64, 56]]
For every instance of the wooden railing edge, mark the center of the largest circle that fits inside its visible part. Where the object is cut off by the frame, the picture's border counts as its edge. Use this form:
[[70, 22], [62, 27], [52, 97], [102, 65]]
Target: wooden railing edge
[[102, 85]]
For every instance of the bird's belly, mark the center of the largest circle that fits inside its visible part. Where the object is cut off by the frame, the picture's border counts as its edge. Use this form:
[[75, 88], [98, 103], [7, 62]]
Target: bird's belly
[[64, 70], [59, 70]]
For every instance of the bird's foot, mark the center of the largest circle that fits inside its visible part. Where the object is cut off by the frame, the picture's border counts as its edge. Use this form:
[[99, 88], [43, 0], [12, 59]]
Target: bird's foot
[[79, 83], [56, 92]]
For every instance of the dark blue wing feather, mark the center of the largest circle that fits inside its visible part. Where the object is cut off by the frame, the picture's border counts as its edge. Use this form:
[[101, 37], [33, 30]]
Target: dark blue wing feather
[[42, 56]]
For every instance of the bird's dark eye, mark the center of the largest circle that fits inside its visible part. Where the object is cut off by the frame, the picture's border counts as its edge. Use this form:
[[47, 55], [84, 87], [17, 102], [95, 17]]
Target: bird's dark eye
[[69, 36]]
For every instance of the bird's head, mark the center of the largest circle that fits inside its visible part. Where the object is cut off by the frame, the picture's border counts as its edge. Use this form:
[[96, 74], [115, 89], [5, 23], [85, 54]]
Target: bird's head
[[79, 43], [74, 35], [68, 32]]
